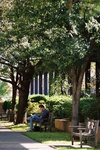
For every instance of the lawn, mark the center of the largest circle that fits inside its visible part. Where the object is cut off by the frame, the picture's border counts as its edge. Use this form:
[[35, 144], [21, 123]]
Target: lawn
[[65, 148], [49, 137]]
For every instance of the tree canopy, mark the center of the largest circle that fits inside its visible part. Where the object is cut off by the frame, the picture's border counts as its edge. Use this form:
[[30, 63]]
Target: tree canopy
[[38, 35]]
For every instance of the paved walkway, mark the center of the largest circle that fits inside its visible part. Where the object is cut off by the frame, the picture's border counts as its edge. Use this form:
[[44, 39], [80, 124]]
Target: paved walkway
[[10, 140]]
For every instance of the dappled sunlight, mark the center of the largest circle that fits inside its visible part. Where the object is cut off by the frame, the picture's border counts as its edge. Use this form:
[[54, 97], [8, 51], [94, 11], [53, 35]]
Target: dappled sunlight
[[31, 146], [49, 137], [5, 123]]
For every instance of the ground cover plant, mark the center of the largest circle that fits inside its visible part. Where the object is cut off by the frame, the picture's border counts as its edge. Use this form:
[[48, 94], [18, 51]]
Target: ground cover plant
[[19, 127], [66, 148], [49, 137]]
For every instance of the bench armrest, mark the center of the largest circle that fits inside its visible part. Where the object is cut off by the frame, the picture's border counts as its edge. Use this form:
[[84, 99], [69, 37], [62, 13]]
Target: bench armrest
[[81, 128]]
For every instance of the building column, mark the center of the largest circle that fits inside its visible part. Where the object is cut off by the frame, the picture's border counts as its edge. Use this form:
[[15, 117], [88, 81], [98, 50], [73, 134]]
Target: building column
[[40, 83], [36, 85], [45, 83]]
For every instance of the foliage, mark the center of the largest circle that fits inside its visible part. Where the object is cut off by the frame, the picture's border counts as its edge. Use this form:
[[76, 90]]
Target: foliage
[[60, 105], [38, 98], [32, 108], [6, 105], [34, 101], [59, 84], [48, 33], [4, 89], [90, 107], [39, 36]]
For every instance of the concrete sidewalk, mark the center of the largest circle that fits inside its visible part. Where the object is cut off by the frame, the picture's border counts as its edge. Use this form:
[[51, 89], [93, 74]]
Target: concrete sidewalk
[[10, 140]]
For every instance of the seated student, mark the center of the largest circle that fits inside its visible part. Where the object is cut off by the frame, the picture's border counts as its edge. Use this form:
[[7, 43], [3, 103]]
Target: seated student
[[39, 118]]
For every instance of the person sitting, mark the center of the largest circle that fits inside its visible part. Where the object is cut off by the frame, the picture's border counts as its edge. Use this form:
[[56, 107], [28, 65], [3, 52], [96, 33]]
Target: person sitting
[[39, 118]]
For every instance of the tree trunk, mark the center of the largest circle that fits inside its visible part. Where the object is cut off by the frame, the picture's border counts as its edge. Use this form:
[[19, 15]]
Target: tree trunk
[[23, 102], [25, 73], [13, 112], [76, 88], [87, 79], [24, 84], [97, 79], [76, 79]]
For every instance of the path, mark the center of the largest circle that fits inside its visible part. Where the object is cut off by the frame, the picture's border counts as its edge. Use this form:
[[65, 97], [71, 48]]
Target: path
[[10, 140]]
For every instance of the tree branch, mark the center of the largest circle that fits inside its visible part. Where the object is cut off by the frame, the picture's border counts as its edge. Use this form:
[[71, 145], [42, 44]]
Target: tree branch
[[5, 80]]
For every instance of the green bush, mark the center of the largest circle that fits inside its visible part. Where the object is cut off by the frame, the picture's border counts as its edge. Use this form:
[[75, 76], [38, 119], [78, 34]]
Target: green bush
[[90, 107], [6, 105], [34, 102], [38, 98], [32, 108], [61, 106]]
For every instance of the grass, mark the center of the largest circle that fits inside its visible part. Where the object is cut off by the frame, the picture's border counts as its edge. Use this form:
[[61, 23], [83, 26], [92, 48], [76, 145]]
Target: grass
[[49, 137], [19, 127], [66, 148]]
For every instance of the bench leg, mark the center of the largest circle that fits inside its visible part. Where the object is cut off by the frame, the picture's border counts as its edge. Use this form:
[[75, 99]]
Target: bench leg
[[81, 141]]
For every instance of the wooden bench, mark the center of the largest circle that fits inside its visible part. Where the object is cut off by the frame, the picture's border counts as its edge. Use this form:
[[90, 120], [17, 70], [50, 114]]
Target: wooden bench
[[43, 126], [48, 123], [85, 133], [4, 115]]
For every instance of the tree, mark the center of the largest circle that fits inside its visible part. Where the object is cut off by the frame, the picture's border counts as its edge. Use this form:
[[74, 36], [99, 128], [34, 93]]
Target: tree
[[48, 34], [22, 55], [70, 36], [4, 89], [6, 71]]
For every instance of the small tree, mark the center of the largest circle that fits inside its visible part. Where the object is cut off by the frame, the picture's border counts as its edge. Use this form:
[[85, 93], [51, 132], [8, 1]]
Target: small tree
[[4, 89]]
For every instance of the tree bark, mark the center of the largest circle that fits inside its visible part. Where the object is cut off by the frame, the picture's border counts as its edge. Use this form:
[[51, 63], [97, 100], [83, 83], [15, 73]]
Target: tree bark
[[13, 109], [25, 72], [23, 101], [97, 79], [76, 88], [87, 79], [14, 80], [76, 79]]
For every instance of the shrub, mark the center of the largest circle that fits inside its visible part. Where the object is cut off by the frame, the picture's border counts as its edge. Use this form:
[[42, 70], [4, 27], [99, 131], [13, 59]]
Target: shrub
[[90, 107], [38, 98], [32, 108], [6, 105], [60, 105], [34, 101]]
